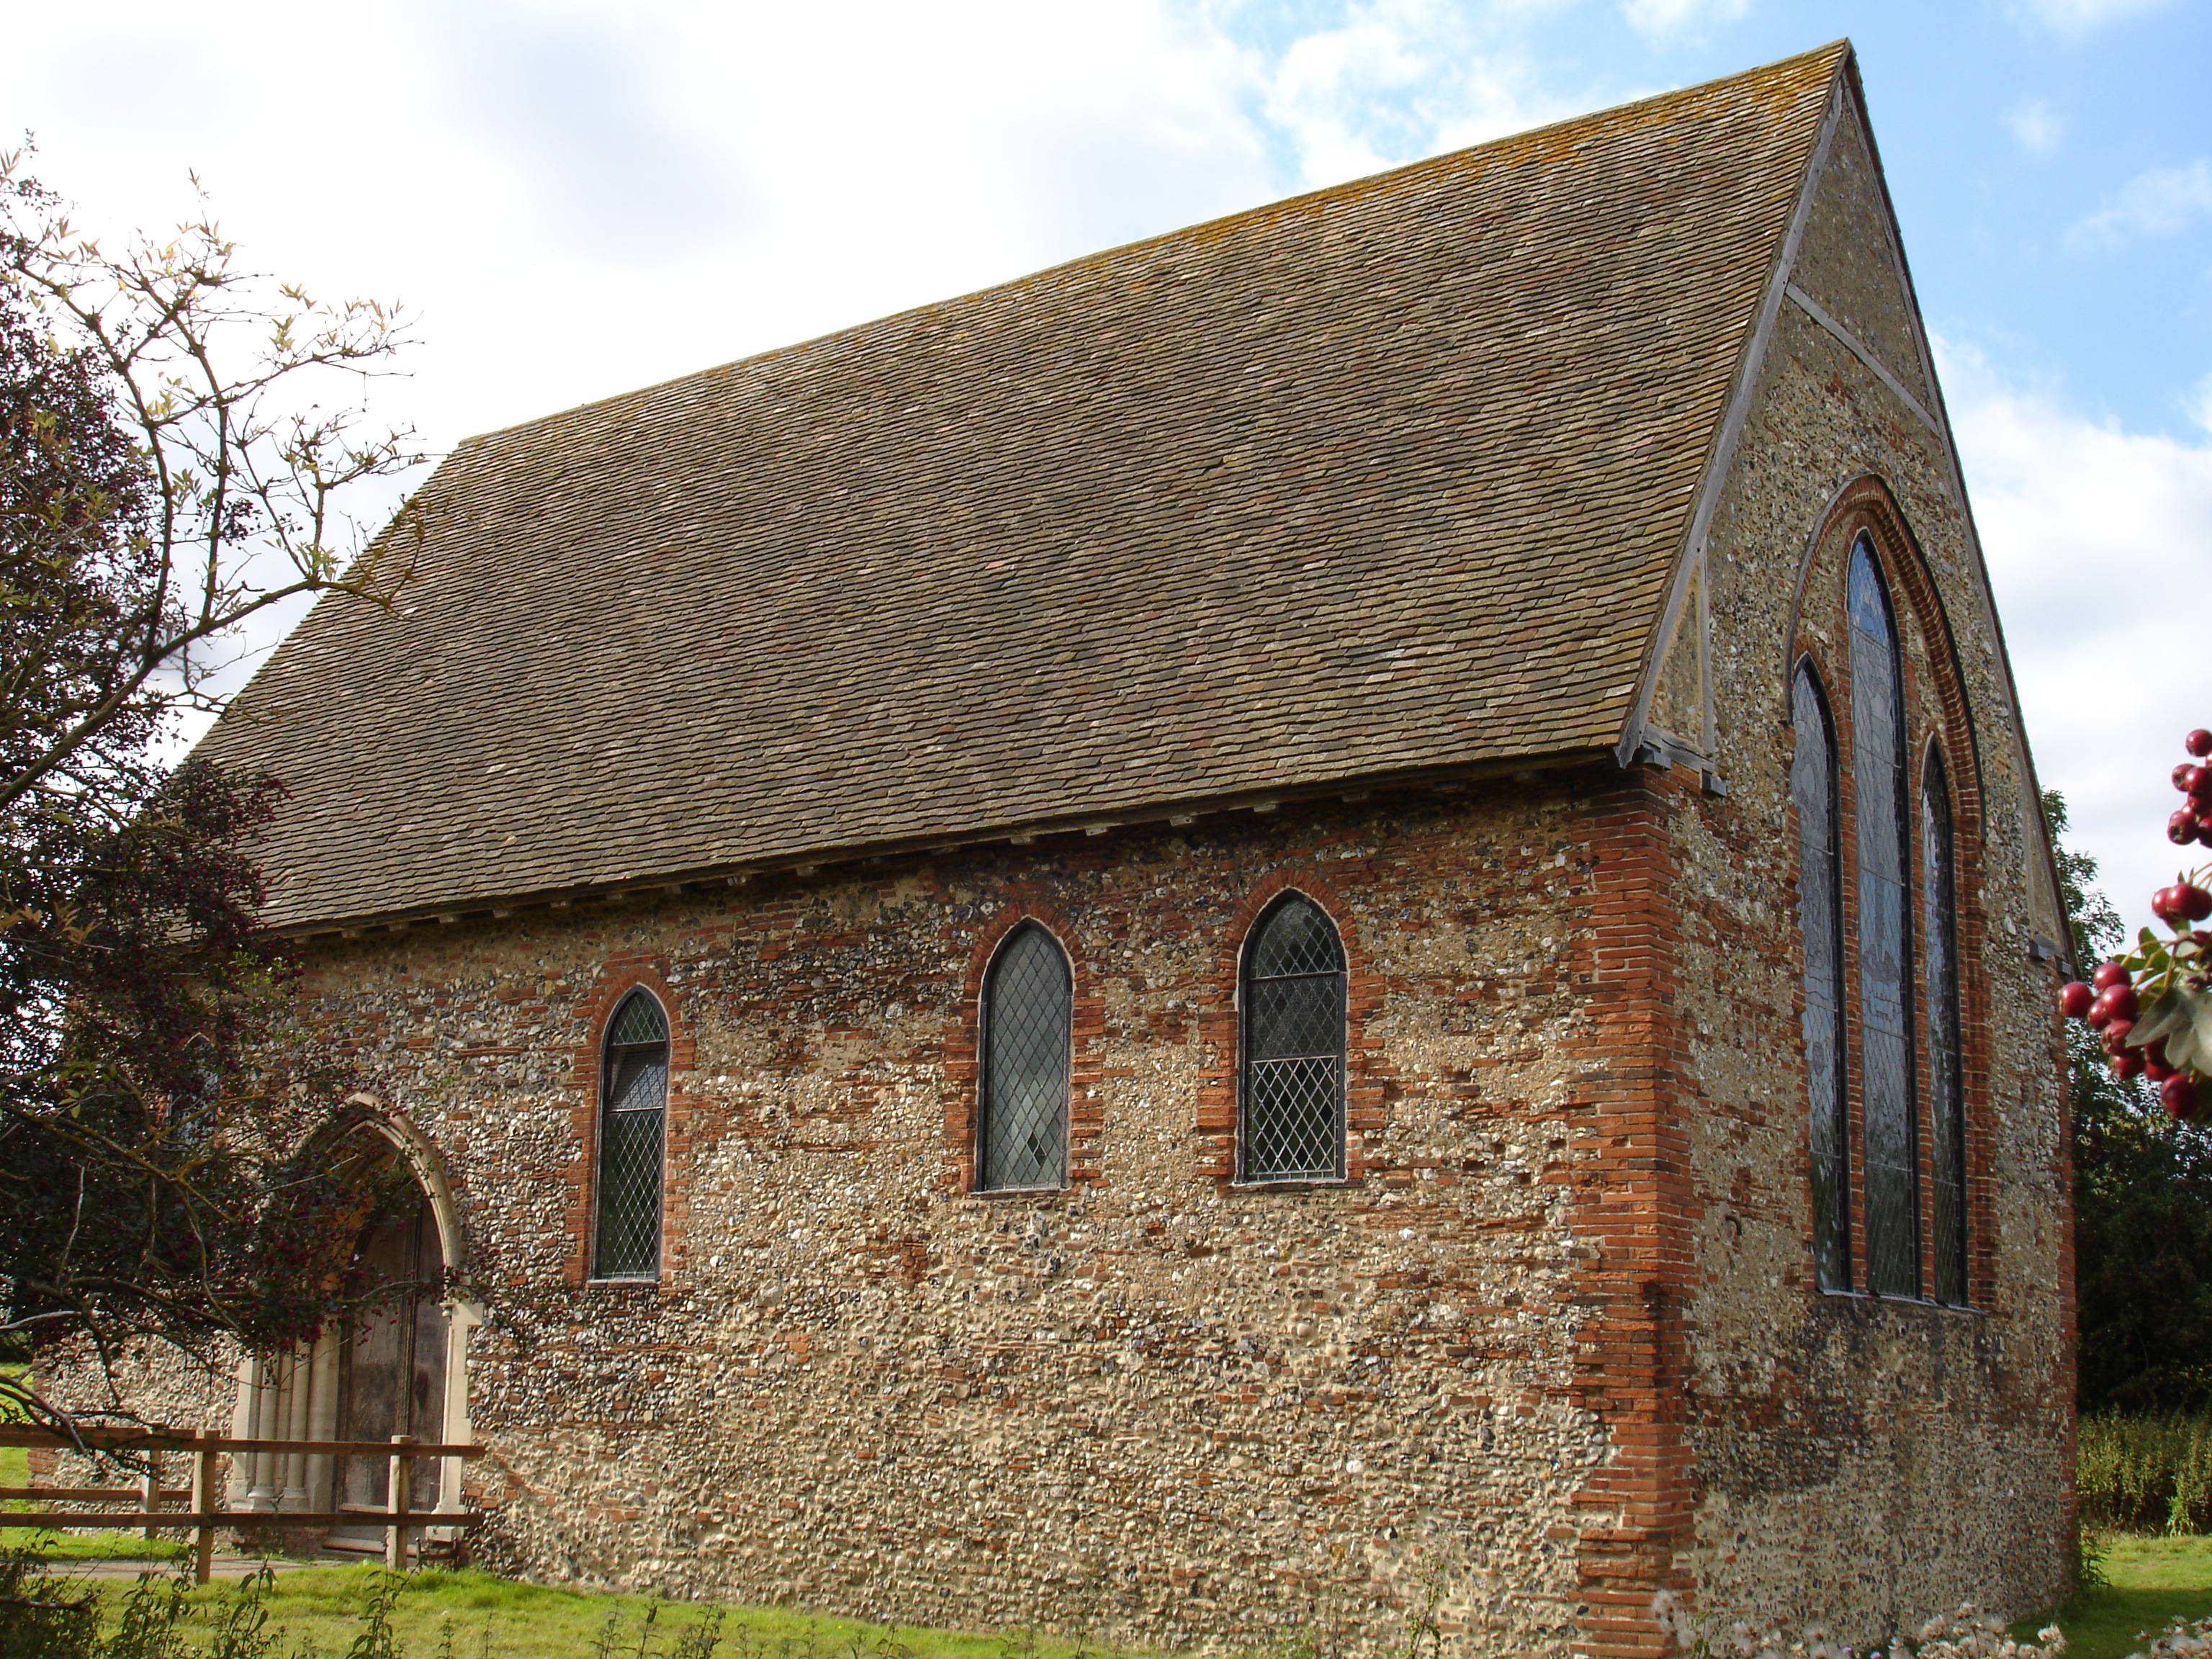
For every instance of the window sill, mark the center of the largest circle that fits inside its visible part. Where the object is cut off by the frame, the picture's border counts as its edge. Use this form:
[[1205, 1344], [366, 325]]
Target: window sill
[[1928, 1302], [1293, 1184], [1017, 1192], [645, 1279]]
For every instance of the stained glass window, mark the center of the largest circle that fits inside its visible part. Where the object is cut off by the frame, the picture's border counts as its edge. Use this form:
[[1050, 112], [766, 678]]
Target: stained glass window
[[1292, 1117], [633, 1101], [1028, 1006], [1819, 864], [1946, 1081], [1879, 774]]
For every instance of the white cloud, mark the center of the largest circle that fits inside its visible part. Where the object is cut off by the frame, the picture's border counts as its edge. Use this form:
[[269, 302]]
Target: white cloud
[[2098, 540], [2036, 126], [577, 199], [1394, 80], [2154, 204], [2080, 16], [1666, 17]]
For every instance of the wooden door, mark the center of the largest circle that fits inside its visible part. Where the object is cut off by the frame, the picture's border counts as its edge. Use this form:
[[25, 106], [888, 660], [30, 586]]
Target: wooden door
[[391, 1361]]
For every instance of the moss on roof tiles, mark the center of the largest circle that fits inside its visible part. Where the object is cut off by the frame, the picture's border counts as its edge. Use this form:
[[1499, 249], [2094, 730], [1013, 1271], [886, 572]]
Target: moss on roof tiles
[[1385, 477]]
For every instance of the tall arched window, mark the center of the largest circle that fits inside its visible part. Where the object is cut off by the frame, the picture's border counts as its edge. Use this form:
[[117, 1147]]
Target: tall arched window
[[1880, 778], [1290, 1117], [1020, 1130], [1820, 866], [1946, 1082], [633, 1101]]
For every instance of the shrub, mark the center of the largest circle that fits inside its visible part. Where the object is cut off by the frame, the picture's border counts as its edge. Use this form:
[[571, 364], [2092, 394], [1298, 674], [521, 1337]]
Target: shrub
[[2143, 1474]]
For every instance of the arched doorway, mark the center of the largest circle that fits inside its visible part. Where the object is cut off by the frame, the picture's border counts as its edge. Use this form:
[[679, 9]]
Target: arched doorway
[[395, 1367], [392, 1360]]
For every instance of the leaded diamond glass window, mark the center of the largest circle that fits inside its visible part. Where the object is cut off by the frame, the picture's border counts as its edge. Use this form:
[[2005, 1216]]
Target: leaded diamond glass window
[[633, 1102], [1292, 1118], [1945, 1081], [1820, 896], [1879, 774], [1021, 1139]]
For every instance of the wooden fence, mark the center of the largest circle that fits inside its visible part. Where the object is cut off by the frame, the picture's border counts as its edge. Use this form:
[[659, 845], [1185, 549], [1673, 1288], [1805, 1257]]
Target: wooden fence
[[201, 1512]]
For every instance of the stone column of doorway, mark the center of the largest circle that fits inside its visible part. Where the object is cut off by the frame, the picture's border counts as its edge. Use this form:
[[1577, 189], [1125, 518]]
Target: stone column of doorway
[[300, 1381], [261, 1417], [323, 1419]]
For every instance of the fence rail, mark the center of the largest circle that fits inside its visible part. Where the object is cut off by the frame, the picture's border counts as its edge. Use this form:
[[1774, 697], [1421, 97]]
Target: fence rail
[[204, 1513]]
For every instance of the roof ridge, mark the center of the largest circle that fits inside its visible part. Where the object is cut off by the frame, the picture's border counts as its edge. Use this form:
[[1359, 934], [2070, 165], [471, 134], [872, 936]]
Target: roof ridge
[[1833, 50]]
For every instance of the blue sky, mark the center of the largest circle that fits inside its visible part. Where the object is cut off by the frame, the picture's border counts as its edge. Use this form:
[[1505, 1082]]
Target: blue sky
[[579, 198]]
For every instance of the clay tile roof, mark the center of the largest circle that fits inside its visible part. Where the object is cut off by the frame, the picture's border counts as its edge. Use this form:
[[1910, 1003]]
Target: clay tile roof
[[1386, 477]]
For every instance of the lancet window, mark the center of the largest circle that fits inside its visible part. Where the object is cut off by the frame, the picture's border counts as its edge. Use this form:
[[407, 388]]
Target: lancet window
[[1879, 776], [1885, 1066], [1946, 1078], [1020, 1131], [1819, 867], [633, 1109], [1290, 1116]]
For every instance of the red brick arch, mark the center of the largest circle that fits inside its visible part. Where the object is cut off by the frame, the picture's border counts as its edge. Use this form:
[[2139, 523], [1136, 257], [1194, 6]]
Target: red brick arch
[[1931, 674], [1867, 503], [963, 1054], [618, 977]]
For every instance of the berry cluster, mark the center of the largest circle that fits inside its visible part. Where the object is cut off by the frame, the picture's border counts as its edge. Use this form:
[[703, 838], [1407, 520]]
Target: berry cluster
[[2154, 1004]]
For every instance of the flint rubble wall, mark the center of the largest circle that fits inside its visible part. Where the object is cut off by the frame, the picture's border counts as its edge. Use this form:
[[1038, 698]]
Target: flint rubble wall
[[1154, 1407], [1876, 1460]]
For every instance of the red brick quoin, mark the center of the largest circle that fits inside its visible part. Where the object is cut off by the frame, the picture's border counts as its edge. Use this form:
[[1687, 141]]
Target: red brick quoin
[[1635, 1201]]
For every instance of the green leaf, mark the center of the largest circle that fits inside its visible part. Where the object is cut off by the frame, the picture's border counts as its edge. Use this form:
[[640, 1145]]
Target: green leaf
[[2201, 1006], [2165, 1015]]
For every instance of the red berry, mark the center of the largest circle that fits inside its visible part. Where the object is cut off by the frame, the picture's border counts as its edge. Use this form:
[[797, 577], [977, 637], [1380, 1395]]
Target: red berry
[[2180, 775], [2128, 1066], [2108, 974], [2178, 1095], [2119, 1005], [2182, 903], [2198, 743], [2158, 1070], [2116, 1037], [2199, 787], [2181, 829], [2073, 1001]]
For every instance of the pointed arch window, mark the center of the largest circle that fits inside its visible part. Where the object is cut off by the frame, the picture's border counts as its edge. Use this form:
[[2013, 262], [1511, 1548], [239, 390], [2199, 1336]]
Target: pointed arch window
[[1028, 1011], [632, 1107], [1879, 776], [1291, 1106], [1946, 1081], [1819, 888]]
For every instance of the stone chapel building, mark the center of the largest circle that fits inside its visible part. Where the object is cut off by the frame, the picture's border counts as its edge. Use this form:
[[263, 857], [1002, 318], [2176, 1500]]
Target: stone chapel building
[[1348, 901]]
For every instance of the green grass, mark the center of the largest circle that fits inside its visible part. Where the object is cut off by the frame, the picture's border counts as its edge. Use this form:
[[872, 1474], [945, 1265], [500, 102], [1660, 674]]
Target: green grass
[[490, 1617], [2153, 1579]]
